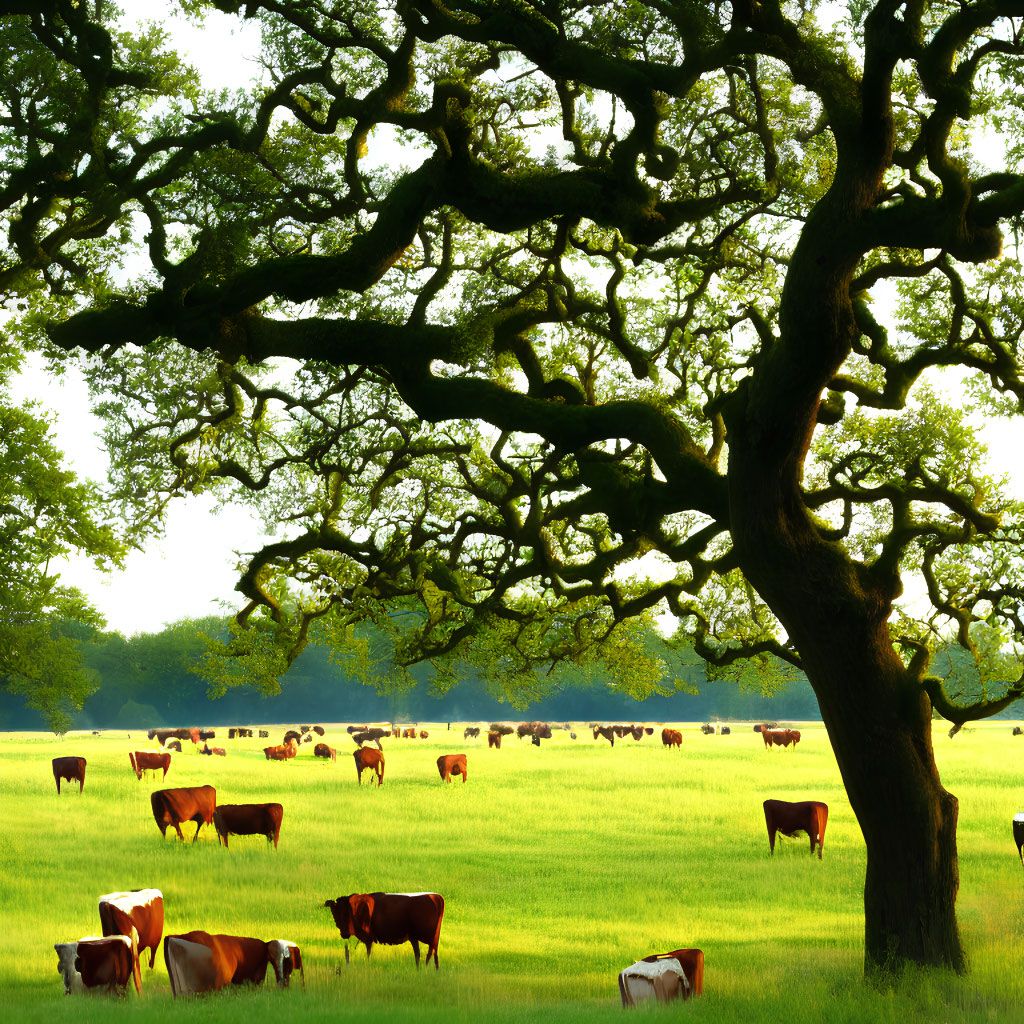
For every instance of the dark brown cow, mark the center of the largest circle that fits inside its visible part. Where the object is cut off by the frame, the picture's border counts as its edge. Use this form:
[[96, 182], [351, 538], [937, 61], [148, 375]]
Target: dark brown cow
[[391, 918], [502, 728], [1018, 835], [423, 734], [200, 962], [638, 984], [449, 764], [264, 734], [318, 729], [367, 757], [324, 751], [606, 731], [109, 963], [70, 768], [649, 730], [144, 760], [189, 803], [174, 745], [808, 816], [232, 734], [248, 820], [494, 739], [141, 910], [672, 738], [356, 728], [290, 735], [373, 735]]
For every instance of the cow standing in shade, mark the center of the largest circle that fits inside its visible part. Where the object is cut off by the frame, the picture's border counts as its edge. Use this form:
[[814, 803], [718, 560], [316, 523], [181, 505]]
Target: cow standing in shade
[[452, 764], [808, 816], [109, 963], [248, 820], [141, 910], [391, 918], [71, 769]]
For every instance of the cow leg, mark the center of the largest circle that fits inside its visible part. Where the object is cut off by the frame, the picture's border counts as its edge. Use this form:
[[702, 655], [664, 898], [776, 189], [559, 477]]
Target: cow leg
[[416, 950], [359, 775], [57, 780], [81, 786], [177, 828], [771, 839]]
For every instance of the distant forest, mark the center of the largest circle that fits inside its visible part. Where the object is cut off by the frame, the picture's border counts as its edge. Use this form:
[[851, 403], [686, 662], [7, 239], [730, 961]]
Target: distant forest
[[148, 680]]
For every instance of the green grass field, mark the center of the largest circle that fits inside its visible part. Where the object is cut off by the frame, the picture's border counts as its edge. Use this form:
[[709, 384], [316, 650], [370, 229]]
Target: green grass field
[[559, 865]]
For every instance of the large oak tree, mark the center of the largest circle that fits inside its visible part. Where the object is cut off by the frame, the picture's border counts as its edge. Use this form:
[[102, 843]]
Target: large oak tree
[[528, 320]]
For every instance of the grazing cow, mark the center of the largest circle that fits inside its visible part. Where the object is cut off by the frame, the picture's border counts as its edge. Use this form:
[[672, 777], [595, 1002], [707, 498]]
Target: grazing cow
[[1018, 731], [323, 750], [708, 729], [649, 730], [391, 918], [423, 734], [141, 910], [808, 816], [291, 735], [200, 962], [1018, 835], [264, 734], [494, 740], [472, 732], [67, 953], [232, 734], [70, 768], [672, 738], [109, 963], [538, 730], [281, 753], [606, 731], [366, 757], [572, 735], [219, 751], [373, 735], [143, 760], [189, 803], [248, 820], [318, 729], [726, 730], [174, 745], [449, 764], [663, 977]]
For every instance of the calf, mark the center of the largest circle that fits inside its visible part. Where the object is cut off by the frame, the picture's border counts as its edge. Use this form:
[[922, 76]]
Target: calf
[[366, 757], [72, 769], [109, 963], [808, 816], [391, 918], [452, 764], [248, 820]]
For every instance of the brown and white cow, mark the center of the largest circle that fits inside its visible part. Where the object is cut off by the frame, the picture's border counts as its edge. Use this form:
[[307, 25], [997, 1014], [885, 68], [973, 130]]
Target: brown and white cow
[[141, 911], [452, 764], [367, 757], [663, 977], [189, 803], [200, 962], [808, 816], [248, 820], [391, 918], [109, 963], [71, 769], [144, 760], [67, 953]]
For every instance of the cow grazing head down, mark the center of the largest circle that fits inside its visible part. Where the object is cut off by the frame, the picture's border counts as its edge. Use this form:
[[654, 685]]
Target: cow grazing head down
[[285, 957], [109, 963]]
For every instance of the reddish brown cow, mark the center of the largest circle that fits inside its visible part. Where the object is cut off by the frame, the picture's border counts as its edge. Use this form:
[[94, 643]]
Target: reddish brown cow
[[494, 740], [144, 760], [391, 918], [281, 753], [449, 764], [200, 962], [606, 731], [672, 738], [141, 910], [367, 757], [638, 984], [323, 750], [109, 963], [189, 803], [71, 769], [219, 751], [408, 734], [248, 820], [808, 816]]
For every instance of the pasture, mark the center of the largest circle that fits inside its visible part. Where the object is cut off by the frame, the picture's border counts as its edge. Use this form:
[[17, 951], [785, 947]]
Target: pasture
[[560, 865]]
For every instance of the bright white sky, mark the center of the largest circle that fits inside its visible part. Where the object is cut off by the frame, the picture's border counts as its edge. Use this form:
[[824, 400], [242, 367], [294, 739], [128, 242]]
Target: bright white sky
[[190, 571]]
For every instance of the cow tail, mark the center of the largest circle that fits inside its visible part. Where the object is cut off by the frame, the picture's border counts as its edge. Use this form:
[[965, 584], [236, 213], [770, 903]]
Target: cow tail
[[439, 903]]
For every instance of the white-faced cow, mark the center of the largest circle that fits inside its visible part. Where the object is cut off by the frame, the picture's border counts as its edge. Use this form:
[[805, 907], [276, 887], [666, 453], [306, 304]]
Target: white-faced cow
[[141, 910]]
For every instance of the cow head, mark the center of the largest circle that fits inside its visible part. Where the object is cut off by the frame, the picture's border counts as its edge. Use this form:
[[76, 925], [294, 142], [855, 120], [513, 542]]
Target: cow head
[[285, 957], [341, 911]]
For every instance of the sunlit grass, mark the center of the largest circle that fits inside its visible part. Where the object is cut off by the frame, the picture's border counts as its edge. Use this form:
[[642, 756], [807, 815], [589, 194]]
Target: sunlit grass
[[559, 865]]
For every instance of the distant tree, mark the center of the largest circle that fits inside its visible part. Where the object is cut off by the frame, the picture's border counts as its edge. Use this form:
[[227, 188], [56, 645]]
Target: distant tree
[[650, 282], [45, 514]]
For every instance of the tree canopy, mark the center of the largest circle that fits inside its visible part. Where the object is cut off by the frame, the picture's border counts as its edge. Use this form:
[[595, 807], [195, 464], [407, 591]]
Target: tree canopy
[[530, 320]]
